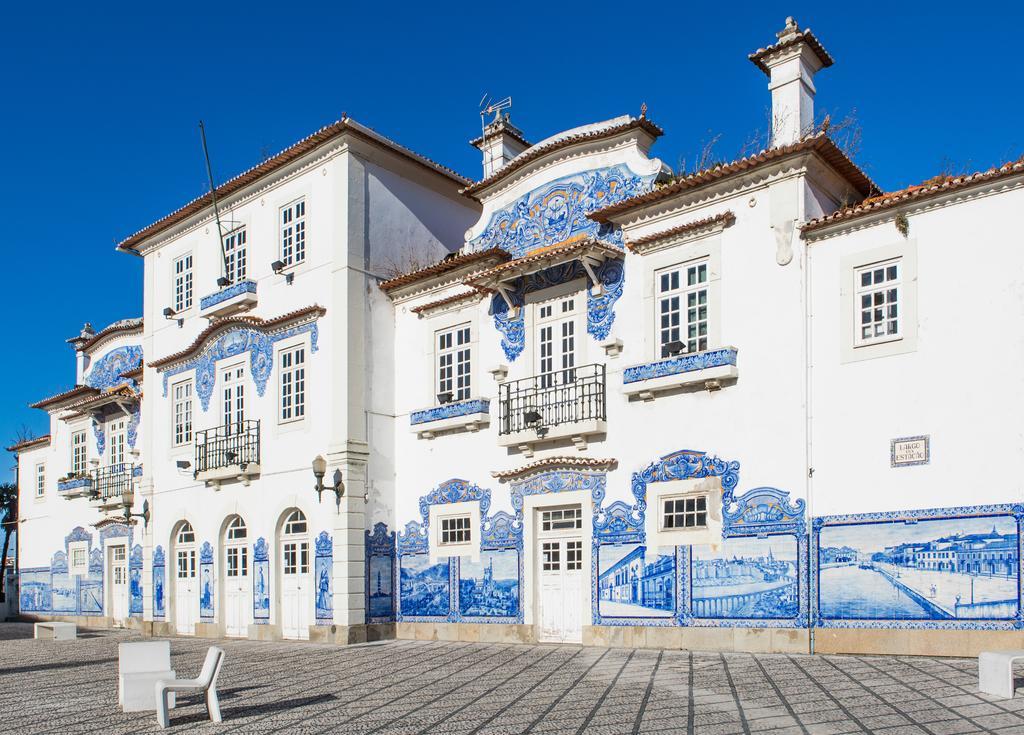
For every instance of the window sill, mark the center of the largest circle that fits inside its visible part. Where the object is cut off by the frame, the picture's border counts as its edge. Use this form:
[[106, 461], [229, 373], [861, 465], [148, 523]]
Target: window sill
[[708, 369], [471, 414]]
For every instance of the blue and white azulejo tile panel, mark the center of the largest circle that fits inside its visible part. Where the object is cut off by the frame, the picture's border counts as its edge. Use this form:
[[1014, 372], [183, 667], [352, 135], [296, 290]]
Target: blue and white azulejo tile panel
[[634, 581], [380, 599], [425, 588], [748, 578], [490, 587], [957, 567]]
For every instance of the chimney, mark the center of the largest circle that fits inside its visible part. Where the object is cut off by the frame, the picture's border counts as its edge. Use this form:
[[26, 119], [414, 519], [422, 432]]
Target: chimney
[[791, 64], [501, 142], [81, 359]]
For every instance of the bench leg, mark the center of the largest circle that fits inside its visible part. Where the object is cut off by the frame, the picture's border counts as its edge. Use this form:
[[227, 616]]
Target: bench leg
[[213, 705], [161, 706]]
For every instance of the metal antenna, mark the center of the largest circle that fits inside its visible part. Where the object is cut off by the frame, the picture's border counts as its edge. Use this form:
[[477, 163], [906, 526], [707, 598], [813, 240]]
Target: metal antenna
[[213, 195], [486, 108]]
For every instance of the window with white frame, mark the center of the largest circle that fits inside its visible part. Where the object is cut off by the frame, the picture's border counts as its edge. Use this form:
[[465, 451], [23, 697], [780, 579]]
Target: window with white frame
[[118, 439], [235, 255], [183, 283], [79, 449], [293, 232], [562, 519], [456, 530], [682, 304], [293, 384], [78, 558], [877, 288], [454, 362], [40, 480], [683, 512], [181, 411]]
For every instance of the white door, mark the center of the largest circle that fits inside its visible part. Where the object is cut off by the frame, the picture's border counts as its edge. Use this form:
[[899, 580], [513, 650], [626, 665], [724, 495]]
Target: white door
[[557, 327], [295, 589], [237, 591], [186, 587], [233, 382], [560, 575], [118, 584]]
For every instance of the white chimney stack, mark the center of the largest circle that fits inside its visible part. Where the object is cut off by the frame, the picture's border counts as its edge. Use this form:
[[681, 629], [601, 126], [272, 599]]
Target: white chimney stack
[[501, 142], [791, 64]]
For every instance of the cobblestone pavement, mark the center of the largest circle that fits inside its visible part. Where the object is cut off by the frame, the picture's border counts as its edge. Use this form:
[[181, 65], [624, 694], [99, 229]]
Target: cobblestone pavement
[[413, 687]]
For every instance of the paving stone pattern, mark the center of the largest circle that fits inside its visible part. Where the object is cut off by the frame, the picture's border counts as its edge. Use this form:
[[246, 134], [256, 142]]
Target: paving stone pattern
[[419, 687]]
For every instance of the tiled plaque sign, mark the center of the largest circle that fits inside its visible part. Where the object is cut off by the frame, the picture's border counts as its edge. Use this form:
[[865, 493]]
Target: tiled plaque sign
[[910, 450]]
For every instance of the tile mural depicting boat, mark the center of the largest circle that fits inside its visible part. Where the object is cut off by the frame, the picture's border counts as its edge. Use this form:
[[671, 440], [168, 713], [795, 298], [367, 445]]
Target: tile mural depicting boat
[[424, 588], [941, 569], [634, 581], [746, 578], [490, 587]]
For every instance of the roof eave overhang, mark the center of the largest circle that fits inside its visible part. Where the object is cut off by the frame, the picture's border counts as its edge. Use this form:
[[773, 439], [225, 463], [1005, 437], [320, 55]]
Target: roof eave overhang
[[590, 252]]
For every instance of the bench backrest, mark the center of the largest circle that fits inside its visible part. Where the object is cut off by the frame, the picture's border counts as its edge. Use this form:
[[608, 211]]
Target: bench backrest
[[211, 667], [136, 658]]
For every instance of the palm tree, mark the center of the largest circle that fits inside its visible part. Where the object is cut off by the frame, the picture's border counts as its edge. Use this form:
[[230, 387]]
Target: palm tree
[[8, 525]]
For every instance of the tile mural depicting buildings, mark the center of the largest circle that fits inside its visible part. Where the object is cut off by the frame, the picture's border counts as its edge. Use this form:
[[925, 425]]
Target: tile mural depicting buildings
[[425, 588], [381, 600], [490, 587], [747, 578], [636, 582], [941, 569]]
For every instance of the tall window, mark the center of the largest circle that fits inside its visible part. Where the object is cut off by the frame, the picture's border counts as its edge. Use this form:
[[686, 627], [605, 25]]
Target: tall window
[[40, 480], [233, 380], [454, 362], [234, 255], [683, 307], [182, 412], [293, 384], [78, 452], [118, 439], [183, 283], [878, 290], [293, 232], [556, 342]]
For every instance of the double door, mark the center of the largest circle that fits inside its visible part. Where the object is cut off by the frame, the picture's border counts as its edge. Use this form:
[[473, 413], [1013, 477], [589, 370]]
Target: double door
[[237, 591], [296, 589], [119, 584], [186, 592], [560, 575]]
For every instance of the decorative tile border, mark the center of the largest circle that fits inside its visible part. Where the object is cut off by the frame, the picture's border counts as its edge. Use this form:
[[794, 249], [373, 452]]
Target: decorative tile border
[[450, 410], [681, 364]]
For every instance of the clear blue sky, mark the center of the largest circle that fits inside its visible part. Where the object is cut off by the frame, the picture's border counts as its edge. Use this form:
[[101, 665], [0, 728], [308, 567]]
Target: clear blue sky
[[99, 125]]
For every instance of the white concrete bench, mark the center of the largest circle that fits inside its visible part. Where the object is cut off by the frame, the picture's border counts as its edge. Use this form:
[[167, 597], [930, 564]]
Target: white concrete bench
[[56, 631], [995, 672], [207, 682], [139, 667]]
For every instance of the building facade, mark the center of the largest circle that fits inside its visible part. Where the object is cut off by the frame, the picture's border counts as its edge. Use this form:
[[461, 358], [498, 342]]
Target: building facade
[[583, 399]]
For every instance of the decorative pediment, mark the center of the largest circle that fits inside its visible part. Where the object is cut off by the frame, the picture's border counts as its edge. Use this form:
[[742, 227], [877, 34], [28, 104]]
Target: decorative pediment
[[260, 552], [501, 531], [381, 542], [413, 540], [454, 491], [764, 510], [618, 522], [108, 370], [324, 544]]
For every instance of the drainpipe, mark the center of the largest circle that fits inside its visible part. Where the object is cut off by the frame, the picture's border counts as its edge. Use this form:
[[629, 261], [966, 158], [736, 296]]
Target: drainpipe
[[809, 419]]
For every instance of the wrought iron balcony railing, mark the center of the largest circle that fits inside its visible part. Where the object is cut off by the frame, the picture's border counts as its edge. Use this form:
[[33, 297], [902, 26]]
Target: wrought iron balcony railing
[[112, 481], [560, 397], [236, 444]]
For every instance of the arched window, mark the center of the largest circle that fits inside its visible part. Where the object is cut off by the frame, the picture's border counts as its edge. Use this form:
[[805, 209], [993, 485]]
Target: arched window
[[295, 523], [237, 529], [185, 534]]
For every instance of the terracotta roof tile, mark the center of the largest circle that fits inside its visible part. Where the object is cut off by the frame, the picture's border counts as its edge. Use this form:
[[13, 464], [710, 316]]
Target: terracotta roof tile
[[247, 321], [460, 260], [540, 465], [804, 36], [819, 143], [559, 250], [933, 187], [537, 151], [293, 152], [29, 443], [725, 219], [76, 392], [126, 326]]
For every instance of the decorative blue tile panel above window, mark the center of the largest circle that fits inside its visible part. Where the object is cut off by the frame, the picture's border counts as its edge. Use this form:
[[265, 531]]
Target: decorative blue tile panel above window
[[107, 371], [681, 364], [450, 410], [224, 294]]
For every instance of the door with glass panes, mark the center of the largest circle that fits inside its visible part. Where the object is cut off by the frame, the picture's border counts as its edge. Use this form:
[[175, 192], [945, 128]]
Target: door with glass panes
[[296, 591], [186, 588], [237, 592], [560, 574], [558, 331], [118, 564], [233, 395]]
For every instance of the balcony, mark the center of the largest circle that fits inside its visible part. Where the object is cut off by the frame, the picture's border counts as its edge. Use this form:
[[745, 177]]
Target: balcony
[[563, 404], [470, 414], [709, 370], [75, 485], [229, 300], [110, 485], [230, 452]]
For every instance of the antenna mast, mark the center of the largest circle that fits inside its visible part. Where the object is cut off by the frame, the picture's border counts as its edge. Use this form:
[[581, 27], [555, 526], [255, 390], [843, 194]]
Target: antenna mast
[[486, 108], [216, 210]]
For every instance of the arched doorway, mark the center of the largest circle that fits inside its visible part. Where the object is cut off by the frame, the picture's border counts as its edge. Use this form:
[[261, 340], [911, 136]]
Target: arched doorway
[[237, 591], [186, 587], [296, 588]]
